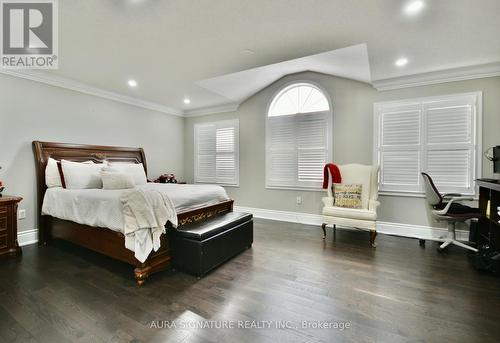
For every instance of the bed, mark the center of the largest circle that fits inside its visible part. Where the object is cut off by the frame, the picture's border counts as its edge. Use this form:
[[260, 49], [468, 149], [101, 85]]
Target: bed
[[102, 239]]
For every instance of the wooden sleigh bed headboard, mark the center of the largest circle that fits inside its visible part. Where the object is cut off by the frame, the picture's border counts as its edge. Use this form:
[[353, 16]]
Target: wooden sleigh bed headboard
[[78, 153]]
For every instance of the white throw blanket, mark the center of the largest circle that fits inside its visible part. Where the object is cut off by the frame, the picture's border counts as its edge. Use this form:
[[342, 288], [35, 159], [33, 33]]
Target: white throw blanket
[[146, 212]]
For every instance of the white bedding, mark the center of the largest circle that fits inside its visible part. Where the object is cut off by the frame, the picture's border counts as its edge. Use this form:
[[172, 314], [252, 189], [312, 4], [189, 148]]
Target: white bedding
[[103, 208]]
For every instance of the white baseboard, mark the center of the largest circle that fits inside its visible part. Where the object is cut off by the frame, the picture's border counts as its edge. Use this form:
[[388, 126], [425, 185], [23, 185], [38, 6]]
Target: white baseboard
[[418, 231], [397, 229], [284, 216], [27, 237]]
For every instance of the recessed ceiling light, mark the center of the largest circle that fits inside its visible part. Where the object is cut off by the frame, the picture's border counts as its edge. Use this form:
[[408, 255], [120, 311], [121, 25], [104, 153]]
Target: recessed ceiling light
[[187, 101], [132, 83], [413, 7], [400, 62]]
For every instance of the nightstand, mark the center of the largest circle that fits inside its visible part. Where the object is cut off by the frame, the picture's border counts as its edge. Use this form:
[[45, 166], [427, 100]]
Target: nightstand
[[8, 226]]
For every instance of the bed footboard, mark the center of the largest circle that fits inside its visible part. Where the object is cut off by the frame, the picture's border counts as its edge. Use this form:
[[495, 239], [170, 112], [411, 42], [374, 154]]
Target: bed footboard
[[112, 243]]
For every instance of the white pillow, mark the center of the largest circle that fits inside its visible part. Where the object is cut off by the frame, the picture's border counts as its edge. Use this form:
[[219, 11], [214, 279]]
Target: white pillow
[[114, 180], [136, 170], [52, 175], [81, 175]]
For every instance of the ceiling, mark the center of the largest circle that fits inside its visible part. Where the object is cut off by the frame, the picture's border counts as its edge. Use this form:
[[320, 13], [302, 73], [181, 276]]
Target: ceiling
[[351, 62], [204, 49]]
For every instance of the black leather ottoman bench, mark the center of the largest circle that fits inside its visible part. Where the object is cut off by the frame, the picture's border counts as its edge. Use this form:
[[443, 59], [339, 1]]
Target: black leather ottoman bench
[[200, 247]]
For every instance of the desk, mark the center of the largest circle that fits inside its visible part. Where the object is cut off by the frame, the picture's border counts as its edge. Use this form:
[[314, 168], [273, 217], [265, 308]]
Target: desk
[[489, 201]]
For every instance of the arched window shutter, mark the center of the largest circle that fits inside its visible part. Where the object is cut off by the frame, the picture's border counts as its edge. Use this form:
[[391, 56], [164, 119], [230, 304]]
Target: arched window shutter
[[298, 137]]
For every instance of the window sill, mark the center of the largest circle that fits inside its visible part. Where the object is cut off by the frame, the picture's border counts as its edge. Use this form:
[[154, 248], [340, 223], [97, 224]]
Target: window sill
[[402, 194], [415, 194], [218, 184], [307, 189]]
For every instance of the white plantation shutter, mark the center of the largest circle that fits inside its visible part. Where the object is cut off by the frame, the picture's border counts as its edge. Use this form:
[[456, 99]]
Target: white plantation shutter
[[401, 170], [450, 170], [312, 148], [450, 145], [434, 135], [217, 152], [398, 151], [281, 155], [204, 153], [225, 160], [297, 150]]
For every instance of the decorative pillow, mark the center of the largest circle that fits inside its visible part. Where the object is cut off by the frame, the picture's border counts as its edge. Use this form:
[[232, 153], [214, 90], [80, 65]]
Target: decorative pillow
[[77, 175], [113, 180], [53, 174], [347, 195], [136, 170]]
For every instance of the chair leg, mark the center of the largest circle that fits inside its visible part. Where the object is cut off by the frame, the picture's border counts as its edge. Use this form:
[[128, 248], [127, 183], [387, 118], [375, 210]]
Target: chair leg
[[444, 245], [334, 232], [451, 239], [323, 226], [460, 244], [373, 235]]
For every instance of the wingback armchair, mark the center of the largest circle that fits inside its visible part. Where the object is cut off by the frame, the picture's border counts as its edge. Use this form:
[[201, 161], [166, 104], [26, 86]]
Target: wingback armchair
[[363, 218]]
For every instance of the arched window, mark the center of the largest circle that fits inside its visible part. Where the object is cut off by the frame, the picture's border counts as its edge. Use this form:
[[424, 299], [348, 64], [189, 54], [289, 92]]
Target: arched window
[[298, 137], [298, 98]]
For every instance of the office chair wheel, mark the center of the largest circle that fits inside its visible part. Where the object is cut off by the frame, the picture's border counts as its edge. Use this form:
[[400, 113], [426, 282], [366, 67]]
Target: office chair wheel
[[421, 242], [440, 250]]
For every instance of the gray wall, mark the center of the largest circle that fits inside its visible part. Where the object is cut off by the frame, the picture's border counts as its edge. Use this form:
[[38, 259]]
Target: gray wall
[[352, 140], [34, 111]]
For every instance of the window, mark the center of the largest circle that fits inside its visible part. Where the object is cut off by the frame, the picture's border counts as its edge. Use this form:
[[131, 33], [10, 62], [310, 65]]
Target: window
[[437, 135], [298, 137], [216, 147]]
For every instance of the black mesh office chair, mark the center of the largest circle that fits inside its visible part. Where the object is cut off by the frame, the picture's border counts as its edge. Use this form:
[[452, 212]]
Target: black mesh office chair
[[450, 211]]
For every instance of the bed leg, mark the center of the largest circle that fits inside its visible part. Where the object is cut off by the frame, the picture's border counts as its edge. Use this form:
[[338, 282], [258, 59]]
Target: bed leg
[[141, 274], [373, 235], [44, 234], [44, 240], [41, 231]]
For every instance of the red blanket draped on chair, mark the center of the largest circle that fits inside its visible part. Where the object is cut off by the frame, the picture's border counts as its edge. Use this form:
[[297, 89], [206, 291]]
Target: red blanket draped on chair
[[334, 170]]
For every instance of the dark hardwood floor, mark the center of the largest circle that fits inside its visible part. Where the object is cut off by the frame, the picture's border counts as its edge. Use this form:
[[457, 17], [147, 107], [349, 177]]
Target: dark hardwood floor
[[398, 292]]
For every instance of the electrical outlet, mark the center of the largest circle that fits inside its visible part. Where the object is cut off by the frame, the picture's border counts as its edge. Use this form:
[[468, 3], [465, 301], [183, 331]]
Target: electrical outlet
[[21, 214], [299, 200]]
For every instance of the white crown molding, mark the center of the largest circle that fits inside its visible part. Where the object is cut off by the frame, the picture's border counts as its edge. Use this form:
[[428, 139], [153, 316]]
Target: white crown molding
[[211, 110], [396, 229], [65, 83], [441, 76]]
